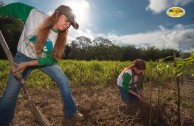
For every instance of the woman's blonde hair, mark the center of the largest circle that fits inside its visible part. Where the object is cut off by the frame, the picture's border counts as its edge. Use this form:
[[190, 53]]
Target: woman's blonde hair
[[43, 33]]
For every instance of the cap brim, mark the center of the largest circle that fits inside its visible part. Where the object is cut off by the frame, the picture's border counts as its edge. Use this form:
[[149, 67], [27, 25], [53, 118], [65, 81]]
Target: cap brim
[[75, 25]]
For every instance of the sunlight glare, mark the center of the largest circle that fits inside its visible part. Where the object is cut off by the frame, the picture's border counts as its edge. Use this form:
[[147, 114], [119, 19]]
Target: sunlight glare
[[81, 10]]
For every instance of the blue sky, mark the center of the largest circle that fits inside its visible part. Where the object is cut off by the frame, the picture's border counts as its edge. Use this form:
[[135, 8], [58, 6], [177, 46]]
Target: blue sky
[[136, 22]]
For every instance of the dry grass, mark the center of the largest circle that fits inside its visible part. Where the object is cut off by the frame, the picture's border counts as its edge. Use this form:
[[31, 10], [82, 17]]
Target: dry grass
[[101, 107]]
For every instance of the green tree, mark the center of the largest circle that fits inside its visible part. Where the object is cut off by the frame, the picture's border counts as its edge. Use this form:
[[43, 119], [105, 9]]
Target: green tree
[[130, 52], [81, 48], [104, 49], [11, 29]]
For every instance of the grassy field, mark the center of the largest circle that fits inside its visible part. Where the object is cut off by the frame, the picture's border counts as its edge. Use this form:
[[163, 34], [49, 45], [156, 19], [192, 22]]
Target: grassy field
[[81, 73]]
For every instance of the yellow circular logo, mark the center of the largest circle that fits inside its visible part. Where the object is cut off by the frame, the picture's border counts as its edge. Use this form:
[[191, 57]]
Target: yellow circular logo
[[175, 12]]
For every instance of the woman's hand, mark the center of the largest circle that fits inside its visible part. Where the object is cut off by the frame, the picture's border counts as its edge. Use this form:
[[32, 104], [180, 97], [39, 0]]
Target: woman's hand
[[22, 66], [142, 95], [19, 68], [141, 98]]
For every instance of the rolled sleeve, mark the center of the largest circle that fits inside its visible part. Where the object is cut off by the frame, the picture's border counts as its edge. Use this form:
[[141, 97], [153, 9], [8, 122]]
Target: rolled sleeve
[[46, 61]]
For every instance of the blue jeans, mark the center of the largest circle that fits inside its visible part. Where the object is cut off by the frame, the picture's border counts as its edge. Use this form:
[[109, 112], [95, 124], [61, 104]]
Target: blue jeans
[[9, 98], [126, 96]]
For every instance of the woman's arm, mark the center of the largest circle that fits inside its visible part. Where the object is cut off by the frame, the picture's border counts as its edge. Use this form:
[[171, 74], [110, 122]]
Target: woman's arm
[[126, 80], [138, 95], [40, 62], [22, 66], [134, 93], [141, 92]]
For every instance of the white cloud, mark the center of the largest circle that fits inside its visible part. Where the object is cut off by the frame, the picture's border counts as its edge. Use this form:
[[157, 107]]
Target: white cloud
[[162, 27], [179, 26], [162, 38], [157, 6]]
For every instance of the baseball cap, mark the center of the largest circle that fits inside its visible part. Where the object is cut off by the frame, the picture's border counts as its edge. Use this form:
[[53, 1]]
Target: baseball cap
[[67, 11]]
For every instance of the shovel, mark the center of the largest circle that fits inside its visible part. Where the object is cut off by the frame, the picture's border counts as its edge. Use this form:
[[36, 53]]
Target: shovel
[[43, 121]]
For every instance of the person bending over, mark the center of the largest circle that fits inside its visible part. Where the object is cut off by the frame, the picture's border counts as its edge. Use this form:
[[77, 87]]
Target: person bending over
[[40, 46]]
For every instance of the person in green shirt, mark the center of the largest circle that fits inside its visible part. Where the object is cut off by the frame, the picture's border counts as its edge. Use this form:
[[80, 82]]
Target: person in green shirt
[[40, 46], [130, 82]]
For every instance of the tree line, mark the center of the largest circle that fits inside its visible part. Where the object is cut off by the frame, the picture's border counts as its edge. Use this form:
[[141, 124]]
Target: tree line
[[83, 48]]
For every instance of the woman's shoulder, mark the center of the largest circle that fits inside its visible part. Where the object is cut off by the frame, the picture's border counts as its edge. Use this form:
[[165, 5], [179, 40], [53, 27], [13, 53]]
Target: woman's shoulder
[[36, 18], [37, 13], [129, 71]]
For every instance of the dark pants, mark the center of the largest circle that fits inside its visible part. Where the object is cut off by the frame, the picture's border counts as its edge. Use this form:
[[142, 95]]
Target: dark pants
[[126, 96]]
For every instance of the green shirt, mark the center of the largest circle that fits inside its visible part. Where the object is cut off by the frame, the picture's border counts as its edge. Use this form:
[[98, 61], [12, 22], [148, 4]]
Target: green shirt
[[127, 85]]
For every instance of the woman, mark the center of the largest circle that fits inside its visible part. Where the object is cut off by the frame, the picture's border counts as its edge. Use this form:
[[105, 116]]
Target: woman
[[41, 44], [130, 82]]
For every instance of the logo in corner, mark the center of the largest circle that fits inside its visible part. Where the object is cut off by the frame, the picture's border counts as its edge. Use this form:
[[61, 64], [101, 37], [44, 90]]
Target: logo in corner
[[175, 12]]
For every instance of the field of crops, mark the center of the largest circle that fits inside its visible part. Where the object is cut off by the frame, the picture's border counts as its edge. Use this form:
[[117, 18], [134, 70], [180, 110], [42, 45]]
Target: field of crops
[[94, 88], [82, 73]]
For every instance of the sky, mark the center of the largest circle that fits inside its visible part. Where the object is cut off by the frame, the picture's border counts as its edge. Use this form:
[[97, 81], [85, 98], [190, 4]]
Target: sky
[[128, 22]]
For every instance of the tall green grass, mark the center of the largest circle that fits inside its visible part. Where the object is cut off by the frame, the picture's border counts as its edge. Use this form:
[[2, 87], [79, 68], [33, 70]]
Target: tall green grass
[[80, 73], [4, 72], [89, 73]]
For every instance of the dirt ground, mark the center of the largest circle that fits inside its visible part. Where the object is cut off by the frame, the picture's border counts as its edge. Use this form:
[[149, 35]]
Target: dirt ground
[[102, 107]]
